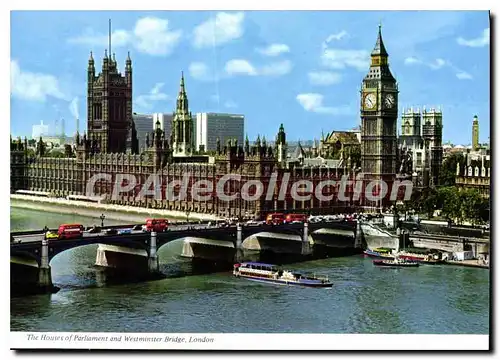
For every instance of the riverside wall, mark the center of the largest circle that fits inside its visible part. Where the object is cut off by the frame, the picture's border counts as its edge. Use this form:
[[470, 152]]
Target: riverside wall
[[87, 209]]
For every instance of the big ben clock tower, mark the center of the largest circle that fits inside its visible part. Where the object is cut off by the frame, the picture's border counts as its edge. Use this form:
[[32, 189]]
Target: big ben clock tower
[[379, 113]]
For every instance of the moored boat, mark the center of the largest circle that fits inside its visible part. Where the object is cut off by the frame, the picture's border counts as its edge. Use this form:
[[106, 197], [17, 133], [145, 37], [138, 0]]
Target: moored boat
[[379, 253], [423, 258], [273, 274]]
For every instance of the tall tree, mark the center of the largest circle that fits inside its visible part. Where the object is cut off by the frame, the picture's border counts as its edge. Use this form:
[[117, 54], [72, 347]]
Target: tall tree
[[449, 169]]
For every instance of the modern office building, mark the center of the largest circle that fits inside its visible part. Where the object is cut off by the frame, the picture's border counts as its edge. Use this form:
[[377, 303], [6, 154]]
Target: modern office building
[[143, 126], [213, 126], [165, 120], [39, 130]]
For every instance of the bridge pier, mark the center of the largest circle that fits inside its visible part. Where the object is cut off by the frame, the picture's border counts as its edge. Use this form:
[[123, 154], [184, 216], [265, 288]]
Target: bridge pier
[[239, 235], [153, 261], [44, 271], [358, 239], [238, 255], [306, 246]]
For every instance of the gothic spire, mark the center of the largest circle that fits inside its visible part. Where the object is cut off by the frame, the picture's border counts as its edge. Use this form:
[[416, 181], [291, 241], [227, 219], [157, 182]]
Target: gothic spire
[[182, 101], [128, 63], [379, 49]]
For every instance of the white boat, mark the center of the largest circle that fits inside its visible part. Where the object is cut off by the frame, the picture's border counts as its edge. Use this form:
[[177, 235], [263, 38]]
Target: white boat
[[273, 274]]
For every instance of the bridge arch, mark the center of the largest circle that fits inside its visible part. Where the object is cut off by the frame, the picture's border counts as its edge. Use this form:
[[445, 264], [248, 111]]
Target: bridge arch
[[28, 256], [133, 244]]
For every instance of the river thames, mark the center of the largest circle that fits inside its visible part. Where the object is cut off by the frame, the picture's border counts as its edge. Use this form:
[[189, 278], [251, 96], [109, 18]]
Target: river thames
[[430, 299]]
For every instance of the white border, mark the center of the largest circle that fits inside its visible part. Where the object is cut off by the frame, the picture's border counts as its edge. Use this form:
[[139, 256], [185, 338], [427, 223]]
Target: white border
[[250, 340], [157, 341]]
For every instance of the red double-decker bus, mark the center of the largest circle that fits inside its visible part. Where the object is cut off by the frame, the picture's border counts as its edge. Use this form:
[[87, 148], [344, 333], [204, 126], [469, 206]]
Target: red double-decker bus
[[275, 219], [70, 231], [295, 218]]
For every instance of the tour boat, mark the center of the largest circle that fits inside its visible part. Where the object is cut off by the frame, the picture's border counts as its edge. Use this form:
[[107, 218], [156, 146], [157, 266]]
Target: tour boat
[[395, 263], [273, 274], [379, 253], [421, 258]]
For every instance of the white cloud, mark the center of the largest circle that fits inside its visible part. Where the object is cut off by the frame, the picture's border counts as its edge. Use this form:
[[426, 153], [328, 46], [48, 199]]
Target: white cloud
[[119, 38], [338, 36], [437, 64], [324, 78], [218, 30], [146, 102], [276, 68], [73, 108], [340, 59], [274, 50], [481, 41], [33, 86], [244, 67], [200, 71], [240, 67], [314, 103], [412, 60], [440, 64], [150, 35], [153, 36], [462, 75]]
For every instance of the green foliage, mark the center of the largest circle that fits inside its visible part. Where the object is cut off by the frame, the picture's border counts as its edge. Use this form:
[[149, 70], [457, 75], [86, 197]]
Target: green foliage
[[30, 153], [449, 169], [356, 156], [430, 201], [41, 148], [459, 205]]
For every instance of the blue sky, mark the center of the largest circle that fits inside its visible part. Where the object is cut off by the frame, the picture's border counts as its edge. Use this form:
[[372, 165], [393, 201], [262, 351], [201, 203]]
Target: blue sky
[[300, 68]]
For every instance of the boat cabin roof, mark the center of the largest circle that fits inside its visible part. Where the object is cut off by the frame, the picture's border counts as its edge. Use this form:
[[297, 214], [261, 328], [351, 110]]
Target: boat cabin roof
[[258, 264]]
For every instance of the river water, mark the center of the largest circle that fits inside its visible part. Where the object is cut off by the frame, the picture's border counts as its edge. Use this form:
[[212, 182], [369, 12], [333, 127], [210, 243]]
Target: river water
[[439, 299]]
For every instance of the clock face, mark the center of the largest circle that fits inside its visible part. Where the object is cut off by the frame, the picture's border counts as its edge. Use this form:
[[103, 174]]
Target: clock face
[[370, 101], [389, 101]]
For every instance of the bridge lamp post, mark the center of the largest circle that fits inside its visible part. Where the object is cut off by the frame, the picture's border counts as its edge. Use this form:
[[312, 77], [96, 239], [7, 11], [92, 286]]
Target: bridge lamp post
[[102, 217]]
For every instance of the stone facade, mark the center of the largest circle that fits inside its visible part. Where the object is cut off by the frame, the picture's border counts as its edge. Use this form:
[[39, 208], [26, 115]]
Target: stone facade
[[379, 113], [109, 150], [474, 178]]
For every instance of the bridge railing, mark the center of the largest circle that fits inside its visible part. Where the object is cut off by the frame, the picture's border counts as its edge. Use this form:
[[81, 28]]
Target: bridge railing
[[449, 238], [35, 232]]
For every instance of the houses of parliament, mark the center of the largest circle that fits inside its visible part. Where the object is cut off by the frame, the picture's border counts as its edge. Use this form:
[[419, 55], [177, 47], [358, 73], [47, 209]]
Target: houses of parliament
[[110, 146]]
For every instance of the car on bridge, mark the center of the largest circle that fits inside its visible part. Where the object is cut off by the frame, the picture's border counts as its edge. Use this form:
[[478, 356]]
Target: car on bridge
[[124, 231], [94, 230], [254, 223], [51, 235], [111, 232]]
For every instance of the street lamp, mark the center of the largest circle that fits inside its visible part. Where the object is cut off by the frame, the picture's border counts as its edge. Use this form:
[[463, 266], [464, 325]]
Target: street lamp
[[102, 217]]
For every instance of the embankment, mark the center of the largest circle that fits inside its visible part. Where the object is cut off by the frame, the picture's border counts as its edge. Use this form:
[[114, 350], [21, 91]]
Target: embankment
[[114, 212]]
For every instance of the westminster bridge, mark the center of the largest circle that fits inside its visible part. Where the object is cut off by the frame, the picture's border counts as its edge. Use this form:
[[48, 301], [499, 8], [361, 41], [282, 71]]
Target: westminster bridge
[[136, 250]]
